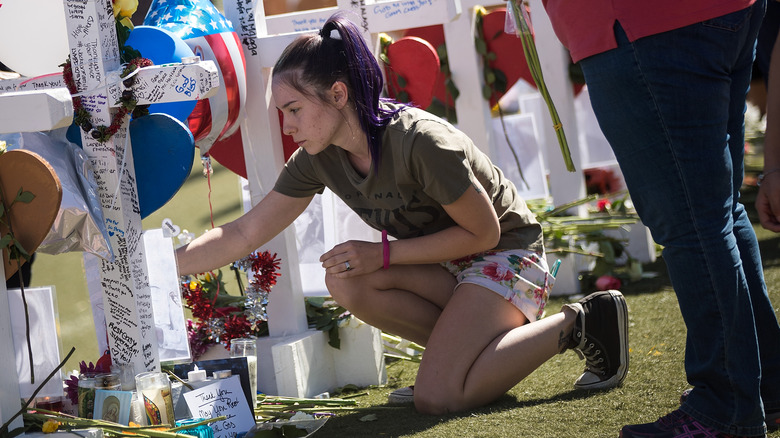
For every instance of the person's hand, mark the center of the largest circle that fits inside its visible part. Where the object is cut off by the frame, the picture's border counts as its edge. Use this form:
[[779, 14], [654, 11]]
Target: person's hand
[[353, 258], [768, 202]]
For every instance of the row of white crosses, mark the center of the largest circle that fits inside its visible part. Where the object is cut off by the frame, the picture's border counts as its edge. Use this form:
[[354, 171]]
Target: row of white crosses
[[290, 360], [95, 60]]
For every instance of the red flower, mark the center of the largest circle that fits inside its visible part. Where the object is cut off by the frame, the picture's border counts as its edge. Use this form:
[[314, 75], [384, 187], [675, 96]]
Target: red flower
[[264, 266], [218, 316], [603, 205], [607, 282]]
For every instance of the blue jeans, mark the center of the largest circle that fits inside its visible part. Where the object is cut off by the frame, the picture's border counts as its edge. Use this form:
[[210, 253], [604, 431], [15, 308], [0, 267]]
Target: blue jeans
[[672, 107]]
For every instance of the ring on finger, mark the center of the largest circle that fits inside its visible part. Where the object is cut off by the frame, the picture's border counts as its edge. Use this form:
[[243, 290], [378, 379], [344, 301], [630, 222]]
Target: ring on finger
[[346, 264]]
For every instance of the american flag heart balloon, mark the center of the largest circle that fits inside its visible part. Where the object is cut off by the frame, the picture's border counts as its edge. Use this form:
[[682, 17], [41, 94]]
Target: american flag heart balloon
[[211, 37]]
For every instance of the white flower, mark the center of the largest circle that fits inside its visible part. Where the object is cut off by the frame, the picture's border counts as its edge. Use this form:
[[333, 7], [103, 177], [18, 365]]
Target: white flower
[[185, 237], [301, 416]]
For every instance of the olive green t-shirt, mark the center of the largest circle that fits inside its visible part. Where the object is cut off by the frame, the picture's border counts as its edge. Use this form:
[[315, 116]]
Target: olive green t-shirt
[[426, 163]]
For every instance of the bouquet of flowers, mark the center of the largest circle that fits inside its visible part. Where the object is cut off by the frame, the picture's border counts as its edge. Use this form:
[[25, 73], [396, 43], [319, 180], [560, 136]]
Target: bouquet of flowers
[[220, 317]]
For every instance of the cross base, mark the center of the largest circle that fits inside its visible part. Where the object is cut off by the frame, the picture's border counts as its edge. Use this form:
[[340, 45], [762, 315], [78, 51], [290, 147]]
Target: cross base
[[304, 365]]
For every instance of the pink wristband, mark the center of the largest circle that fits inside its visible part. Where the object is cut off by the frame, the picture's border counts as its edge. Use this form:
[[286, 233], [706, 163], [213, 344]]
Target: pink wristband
[[385, 251]]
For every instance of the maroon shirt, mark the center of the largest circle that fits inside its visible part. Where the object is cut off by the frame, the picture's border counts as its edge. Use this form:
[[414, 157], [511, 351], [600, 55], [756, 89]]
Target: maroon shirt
[[585, 27]]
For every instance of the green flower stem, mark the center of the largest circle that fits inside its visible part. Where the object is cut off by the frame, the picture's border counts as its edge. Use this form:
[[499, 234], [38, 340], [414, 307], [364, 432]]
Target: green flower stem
[[108, 427], [532, 58], [397, 339], [268, 401]]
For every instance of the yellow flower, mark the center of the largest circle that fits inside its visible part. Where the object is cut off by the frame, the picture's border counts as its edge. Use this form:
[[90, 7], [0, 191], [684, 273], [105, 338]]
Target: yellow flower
[[385, 39], [125, 8], [194, 285], [2, 147], [207, 277], [50, 426]]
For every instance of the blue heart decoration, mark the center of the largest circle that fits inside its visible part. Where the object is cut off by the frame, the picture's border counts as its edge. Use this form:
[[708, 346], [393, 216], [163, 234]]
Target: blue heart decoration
[[163, 151], [163, 47]]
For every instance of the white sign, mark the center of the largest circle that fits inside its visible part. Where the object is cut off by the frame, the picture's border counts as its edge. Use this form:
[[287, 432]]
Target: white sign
[[43, 337], [170, 324], [225, 397]]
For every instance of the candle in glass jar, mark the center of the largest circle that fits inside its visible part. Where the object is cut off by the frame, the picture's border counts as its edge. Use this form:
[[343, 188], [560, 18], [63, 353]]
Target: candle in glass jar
[[154, 389], [53, 404], [86, 392], [247, 347]]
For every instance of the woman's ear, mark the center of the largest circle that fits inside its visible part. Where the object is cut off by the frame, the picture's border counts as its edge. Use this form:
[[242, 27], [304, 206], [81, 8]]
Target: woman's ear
[[339, 94]]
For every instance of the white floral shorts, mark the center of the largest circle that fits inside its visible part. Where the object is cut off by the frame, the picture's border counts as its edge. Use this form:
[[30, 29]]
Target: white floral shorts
[[520, 276]]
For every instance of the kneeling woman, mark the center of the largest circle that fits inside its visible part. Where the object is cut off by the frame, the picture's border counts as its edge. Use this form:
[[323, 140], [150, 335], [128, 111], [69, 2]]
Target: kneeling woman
[[466, 275]]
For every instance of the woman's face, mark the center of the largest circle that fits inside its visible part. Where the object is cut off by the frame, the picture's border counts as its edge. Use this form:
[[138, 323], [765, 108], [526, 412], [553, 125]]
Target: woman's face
[[312, 123]]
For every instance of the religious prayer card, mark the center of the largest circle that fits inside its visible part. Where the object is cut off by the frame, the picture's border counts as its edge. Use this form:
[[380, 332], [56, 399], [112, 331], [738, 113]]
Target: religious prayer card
[[222, 398], [113, 406]]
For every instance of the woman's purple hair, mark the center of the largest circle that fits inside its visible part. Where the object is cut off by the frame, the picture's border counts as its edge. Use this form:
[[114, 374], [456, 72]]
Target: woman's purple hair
[[339, 53]]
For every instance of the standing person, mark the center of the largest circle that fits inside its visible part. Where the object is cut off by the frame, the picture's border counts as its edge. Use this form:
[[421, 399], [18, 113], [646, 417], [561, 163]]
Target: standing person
[[667, 81], [466, 277]]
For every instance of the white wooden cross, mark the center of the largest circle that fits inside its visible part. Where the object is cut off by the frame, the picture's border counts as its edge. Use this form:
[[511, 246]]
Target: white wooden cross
[[95, 58], [295, 361], [23, 112]]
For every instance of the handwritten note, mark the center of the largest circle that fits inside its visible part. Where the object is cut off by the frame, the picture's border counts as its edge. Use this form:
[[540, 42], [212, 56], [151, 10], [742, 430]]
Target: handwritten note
[[225, 397]]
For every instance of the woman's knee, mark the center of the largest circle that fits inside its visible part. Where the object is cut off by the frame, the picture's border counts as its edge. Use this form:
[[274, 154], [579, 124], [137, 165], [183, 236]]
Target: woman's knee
[[346, 292], [430, 403]]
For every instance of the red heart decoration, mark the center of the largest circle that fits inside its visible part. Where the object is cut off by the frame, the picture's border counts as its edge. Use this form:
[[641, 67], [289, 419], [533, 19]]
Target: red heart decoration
[[434, 35], [415, 60], [31, 222], [229, 152]]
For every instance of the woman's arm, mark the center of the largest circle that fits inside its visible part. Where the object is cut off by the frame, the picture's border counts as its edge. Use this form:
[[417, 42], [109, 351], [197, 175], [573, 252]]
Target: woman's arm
[[477, 230], [228, 243]]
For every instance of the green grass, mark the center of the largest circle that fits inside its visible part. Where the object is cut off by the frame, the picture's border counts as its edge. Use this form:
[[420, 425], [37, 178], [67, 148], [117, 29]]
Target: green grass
[[543, 405]]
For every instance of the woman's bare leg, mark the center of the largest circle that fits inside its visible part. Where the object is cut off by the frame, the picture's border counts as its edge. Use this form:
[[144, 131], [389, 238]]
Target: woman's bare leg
[[478, 345], [481, 347], [405, 300]]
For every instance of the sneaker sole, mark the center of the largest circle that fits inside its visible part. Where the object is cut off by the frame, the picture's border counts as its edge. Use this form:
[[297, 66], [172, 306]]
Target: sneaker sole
[[401, 396], [622, 317]]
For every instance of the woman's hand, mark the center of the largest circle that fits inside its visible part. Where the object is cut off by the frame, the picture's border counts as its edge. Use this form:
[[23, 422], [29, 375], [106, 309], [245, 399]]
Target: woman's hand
[[353, 258]]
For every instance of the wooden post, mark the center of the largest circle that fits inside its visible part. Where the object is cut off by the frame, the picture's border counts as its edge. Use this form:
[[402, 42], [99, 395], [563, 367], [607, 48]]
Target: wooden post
[[23, 112], [9, 378]]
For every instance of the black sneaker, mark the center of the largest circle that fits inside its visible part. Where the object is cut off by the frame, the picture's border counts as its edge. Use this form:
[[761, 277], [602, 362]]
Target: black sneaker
[[600, 337], [676, 424]]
